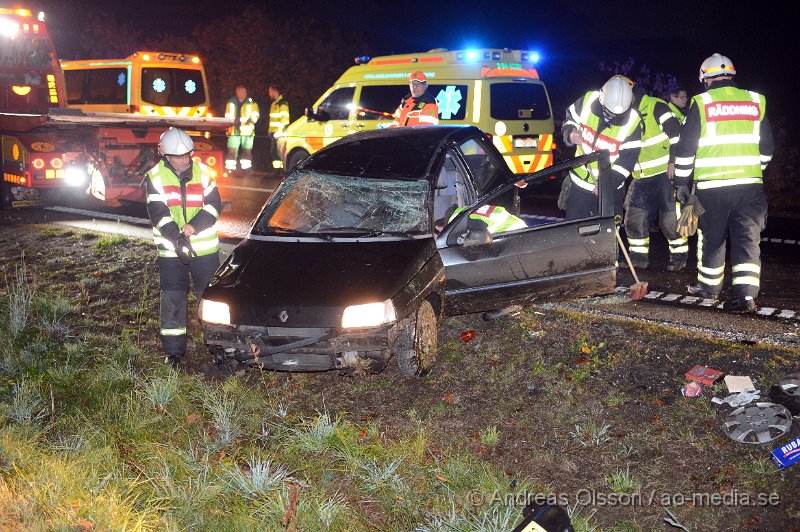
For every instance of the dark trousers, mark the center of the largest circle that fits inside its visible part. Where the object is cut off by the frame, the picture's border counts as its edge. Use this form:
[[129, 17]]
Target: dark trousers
[[651, 199], [174, 278], [582, 203], [739, 212]]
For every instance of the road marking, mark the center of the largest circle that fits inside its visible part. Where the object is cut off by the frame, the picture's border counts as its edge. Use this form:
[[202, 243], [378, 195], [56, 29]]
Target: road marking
[[107, 216], [253, 189]]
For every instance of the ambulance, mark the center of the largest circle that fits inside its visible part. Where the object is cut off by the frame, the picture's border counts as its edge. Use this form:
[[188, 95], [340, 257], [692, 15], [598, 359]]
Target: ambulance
[[496, 90], [147, 83]]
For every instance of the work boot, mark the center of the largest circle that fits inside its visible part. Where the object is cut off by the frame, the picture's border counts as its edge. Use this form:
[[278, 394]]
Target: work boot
[[697, 290], [676, 265], [173, 359], [740, 305]]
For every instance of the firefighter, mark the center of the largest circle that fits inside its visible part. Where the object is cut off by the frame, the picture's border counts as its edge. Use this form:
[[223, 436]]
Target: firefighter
[[601, 120], [244, 112], [725, 146], [184, 205], [650, 194], [418, 108], [278, 120]]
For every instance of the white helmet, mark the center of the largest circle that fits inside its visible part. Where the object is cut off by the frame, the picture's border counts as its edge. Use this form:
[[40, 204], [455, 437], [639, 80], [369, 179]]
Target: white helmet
[[616, 95], [716, 65], [175, 142]]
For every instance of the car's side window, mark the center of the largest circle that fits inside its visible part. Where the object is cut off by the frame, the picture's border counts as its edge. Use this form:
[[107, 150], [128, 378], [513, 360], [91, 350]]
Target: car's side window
[[338, 104], [483, 164]]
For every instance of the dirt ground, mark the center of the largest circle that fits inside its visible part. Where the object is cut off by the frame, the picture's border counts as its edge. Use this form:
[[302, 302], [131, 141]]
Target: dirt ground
[[575, 397]]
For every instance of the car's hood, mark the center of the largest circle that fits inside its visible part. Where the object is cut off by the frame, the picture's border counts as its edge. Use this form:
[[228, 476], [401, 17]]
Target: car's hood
[[314, 280]]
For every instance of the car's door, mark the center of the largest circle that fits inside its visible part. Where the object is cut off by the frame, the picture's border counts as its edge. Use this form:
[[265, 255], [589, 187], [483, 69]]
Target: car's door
[[545, 258], [331, 119]]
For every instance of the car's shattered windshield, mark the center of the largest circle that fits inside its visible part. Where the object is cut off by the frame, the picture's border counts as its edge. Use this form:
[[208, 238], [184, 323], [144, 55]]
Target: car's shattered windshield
[[317, 203]]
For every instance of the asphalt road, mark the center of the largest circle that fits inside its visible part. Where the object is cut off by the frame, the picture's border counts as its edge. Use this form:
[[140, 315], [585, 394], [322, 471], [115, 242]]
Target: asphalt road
[[667, 302]]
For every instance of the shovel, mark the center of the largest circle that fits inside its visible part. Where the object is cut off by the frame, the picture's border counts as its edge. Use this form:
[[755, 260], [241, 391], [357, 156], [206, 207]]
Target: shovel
[[638, 289]]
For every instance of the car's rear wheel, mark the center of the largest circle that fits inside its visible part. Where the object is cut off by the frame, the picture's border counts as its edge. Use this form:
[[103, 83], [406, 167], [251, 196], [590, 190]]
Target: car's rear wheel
[[415, 348], [295, 158]]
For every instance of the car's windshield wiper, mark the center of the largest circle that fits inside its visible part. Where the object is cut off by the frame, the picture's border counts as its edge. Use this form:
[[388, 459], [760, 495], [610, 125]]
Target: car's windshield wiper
[[363, 232], [294, 232]]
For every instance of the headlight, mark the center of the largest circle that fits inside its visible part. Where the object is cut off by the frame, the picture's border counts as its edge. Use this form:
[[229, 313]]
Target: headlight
[[215, 312], [368, 315], [75, 176]]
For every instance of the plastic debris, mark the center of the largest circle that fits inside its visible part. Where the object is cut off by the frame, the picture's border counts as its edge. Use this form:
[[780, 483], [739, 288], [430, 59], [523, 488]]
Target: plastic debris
[[692, 389], [704, 375], [758, 423], [468, 336], [743, 398]]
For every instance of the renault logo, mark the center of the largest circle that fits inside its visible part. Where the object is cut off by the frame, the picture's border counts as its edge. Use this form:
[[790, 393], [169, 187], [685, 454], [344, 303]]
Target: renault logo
[[283, 316]]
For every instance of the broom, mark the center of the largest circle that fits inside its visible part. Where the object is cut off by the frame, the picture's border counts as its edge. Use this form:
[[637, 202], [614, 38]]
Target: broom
[[638, 289]]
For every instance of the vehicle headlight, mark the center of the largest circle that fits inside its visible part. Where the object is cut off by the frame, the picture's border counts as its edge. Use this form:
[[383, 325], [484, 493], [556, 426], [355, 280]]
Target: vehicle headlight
[[75, 176], [368, 315], [215, 312]]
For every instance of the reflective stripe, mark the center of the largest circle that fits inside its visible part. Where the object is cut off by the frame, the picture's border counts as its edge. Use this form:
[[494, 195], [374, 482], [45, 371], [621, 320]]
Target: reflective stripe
[[155, 197], [677, 241], [211, 210], [581, 183], [624, 172], [711, 282], [679, 249], [680, 172], [684, 161], [173, 332], [712, 271], [638, 241], [746, 267], [640, 249], [427, 119], [655, 162], [742, 160], [163, 221], [631, 144], [658, 139], [729, 139], [704, 185], [754, 281], [230, 164]]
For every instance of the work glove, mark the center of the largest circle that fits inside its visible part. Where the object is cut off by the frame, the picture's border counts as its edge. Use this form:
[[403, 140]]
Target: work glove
[[183, 248], [690, 215], [682, 194]]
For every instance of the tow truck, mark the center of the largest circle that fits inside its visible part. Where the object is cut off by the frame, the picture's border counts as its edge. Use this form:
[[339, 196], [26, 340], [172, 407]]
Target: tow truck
[[47, 146]]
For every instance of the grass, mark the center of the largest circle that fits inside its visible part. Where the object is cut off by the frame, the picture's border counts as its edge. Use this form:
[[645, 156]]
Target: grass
[[96, 433], [106, 244]]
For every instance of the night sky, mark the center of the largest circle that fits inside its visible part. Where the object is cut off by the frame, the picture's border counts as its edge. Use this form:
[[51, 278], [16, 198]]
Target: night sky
[[572, 37]]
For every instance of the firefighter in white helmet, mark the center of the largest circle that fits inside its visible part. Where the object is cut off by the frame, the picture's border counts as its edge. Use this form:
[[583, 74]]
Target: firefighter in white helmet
[[184, 205], [725, 146], [601, 120]]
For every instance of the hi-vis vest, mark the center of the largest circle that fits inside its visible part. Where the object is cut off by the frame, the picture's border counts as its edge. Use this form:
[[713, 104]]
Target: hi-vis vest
[[654, 156], [496, 218], [422, 111], [245, 116], [168, 189], [610, 138], [278, 115], [677, 112], [730, 130]]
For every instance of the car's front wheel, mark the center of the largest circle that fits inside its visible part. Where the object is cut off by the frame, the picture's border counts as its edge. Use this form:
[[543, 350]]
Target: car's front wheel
[[295, 158], [415, 348]]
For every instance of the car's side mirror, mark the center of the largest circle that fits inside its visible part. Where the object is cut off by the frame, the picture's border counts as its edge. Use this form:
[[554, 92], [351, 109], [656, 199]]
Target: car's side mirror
[[477, 237], [309, 113]]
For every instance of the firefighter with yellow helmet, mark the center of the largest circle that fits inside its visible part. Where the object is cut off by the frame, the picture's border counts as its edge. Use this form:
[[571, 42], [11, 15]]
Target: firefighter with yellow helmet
[[184, 204], [725, 146], [244, 112]]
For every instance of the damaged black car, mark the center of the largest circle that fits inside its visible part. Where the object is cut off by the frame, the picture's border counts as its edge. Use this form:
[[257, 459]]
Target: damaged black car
[[366, 245]]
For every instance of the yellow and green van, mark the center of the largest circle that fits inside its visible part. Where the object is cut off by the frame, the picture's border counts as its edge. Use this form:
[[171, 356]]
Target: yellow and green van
[[497, 90]]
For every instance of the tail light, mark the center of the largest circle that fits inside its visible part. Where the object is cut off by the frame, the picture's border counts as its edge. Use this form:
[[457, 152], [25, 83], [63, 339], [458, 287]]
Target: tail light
[[197, 159], [211, 161], [38, 164], [56, 163]]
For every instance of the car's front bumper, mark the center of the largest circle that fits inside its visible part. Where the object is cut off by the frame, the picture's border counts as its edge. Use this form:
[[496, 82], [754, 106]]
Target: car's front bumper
[[302, 349]]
